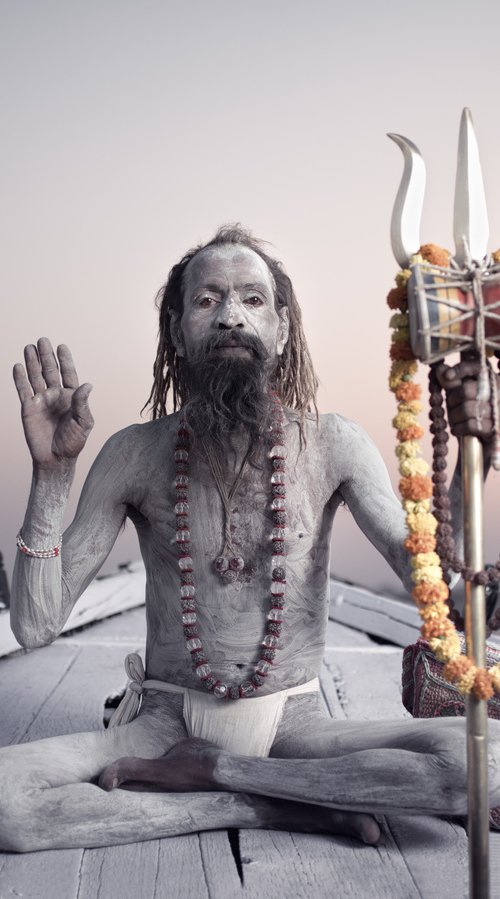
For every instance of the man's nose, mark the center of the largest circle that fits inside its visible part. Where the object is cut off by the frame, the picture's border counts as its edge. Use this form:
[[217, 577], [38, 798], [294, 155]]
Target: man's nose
[[229, 314]]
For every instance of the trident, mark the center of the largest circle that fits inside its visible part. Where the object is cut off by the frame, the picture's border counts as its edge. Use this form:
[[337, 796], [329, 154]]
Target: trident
[[458, 309]]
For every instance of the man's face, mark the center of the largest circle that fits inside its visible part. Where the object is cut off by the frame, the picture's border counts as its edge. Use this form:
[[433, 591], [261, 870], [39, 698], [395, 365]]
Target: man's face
[[230, 290]]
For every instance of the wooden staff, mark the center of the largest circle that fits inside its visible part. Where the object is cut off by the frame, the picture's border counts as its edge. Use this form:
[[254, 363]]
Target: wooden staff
[[475, 634]]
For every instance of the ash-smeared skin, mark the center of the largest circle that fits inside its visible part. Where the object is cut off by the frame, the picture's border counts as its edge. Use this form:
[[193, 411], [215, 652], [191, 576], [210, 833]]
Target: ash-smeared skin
[[134, 474]]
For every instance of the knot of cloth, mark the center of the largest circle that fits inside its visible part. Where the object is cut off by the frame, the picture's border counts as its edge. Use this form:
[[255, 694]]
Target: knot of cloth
[[129, 705]]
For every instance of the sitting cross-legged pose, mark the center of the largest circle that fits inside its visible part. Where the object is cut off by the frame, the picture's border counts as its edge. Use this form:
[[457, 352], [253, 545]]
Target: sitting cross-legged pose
[[233, 497]]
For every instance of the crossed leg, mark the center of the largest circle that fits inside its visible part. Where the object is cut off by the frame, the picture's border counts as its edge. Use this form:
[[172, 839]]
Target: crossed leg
[[50, 798]]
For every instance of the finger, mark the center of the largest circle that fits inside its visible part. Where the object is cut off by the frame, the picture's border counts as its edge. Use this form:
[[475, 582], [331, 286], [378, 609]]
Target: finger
[[23, 386], [80, 408], [50, 368], [33, 368], [68, 371]]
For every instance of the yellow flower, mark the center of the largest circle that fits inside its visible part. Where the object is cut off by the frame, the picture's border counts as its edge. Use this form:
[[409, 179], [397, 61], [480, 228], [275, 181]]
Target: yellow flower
[[431, 574], [495, 675], [409, 449], [447, 648], [420, 560], [401, 335], [404, 276], [401, 369], [409, 467], [421, 522], [414, 407], [437, 612], [465, 683], [399, 320], [416, 506], [403, 420]]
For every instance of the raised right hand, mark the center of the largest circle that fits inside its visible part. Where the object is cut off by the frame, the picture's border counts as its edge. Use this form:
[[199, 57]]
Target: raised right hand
[[54, 408]]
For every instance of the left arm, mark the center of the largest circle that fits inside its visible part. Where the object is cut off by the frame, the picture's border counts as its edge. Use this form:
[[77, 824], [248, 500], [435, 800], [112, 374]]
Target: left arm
[[368, 492]]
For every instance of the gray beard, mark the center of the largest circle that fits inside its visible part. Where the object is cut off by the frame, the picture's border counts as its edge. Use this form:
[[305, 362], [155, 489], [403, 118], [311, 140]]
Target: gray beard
[[228, 393]]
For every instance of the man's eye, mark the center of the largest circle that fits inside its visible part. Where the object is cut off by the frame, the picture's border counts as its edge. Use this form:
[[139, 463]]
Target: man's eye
[[206, 302], [253, 300]]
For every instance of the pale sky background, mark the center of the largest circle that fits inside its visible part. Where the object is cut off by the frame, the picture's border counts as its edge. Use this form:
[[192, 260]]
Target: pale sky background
[[131, 130]]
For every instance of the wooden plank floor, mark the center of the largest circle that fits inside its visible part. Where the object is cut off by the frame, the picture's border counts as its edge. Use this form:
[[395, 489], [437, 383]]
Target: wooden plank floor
[[62, 688]]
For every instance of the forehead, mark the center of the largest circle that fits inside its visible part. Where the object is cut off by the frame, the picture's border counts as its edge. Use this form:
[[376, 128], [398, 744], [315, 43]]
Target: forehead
[[228, 265]]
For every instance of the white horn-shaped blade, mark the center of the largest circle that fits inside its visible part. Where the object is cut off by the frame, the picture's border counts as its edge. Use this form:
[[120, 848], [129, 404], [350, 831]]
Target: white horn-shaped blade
[[407, 211], [470, 216]]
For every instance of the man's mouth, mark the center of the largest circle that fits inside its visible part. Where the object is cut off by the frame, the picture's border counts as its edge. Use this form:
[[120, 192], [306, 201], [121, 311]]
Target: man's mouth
[[236, 349], [233, 348]]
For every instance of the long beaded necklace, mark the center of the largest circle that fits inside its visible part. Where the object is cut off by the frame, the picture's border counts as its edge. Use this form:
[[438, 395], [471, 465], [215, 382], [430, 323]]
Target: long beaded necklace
[[270, 643]]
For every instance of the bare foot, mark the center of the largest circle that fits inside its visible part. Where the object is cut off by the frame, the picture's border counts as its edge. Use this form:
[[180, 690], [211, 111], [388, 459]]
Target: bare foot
[[306, 818], [187, 767]]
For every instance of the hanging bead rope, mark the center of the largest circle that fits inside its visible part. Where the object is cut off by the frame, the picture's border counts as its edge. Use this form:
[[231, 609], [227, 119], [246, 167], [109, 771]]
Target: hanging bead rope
[[430, 591], [270, 643], [445, 542], [230, 560]]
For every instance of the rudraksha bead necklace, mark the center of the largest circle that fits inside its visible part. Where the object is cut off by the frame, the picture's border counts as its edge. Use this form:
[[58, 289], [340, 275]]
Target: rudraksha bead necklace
[[445, 543], [270, 643]]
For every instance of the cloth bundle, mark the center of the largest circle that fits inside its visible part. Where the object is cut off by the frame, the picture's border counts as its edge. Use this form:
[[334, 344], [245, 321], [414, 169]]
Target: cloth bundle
[[426, 694]]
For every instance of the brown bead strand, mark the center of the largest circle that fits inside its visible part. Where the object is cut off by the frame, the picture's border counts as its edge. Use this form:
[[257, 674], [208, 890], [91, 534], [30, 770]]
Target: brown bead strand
[[445, 543], [274, 619]]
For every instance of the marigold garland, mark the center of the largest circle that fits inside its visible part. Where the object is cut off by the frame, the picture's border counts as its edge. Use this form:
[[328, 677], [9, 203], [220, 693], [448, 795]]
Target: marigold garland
[[430, 591]]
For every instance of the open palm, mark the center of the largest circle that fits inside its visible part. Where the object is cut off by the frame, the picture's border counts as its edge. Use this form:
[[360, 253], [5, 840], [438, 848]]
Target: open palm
[[54, 408]]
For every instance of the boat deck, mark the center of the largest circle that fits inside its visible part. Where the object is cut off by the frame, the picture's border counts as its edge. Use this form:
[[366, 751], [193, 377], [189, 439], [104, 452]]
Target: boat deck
[[63, 688]]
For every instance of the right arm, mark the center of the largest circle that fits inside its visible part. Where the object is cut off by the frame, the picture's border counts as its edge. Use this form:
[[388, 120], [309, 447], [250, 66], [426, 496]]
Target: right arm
[[57, 421]]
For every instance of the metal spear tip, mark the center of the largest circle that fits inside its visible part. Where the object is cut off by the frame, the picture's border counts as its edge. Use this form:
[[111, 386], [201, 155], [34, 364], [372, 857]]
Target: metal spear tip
[[407, 211], [470, 215]]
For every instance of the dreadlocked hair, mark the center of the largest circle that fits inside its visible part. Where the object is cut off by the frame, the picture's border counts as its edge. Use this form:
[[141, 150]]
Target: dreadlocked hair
[[295, 381]]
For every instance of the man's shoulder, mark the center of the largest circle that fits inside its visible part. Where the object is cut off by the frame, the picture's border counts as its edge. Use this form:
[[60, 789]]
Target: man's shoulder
[[335, 425], [143, 434]]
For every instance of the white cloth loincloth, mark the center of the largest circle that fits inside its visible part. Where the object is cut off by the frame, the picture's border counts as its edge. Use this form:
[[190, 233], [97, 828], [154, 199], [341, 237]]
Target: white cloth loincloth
[[245, 727]]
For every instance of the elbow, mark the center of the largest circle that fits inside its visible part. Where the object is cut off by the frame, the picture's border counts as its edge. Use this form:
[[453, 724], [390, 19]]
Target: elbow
[[30, 636]]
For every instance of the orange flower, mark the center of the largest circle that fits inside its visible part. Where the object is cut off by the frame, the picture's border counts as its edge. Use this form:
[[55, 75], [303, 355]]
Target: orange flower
[[401, 351], [435, 255], [430, 593], [438, 611], [407, 392], [396, 298], [482, 688], [415, 487], [413, 432], [432, 629], [420, 543], [456, 668]]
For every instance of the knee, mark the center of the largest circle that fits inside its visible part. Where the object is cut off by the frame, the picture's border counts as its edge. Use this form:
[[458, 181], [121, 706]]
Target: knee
[[16, 820], [450, 754], [18, 816]]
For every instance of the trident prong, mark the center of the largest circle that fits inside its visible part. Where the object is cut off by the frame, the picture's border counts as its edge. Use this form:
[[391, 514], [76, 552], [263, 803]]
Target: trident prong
[[407, 211], [470, 215]]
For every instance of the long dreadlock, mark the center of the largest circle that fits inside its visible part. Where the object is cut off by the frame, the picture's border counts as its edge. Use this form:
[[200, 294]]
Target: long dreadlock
[[295, 381]]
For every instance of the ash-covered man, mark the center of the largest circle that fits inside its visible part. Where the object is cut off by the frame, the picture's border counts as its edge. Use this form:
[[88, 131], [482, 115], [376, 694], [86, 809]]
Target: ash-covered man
[[233, 497]]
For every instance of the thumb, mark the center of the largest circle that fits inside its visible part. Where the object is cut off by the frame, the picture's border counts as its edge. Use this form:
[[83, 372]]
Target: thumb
[[80, 407]]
